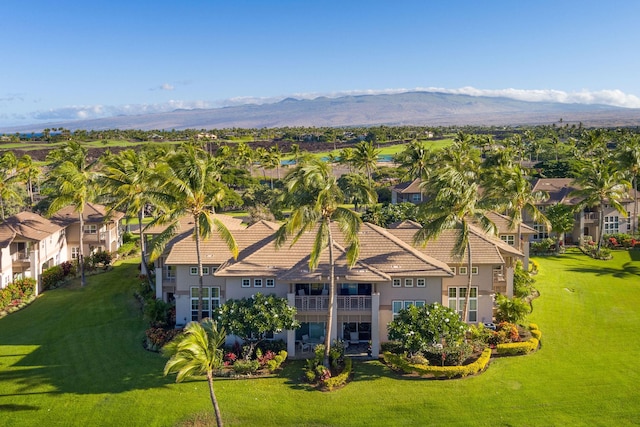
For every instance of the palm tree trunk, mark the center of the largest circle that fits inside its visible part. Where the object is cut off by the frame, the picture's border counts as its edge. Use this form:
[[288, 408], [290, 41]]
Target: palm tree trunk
[[634, 221], [200, 279], [601, 226], [465, 314], [332, 292], [214, 401], [83, 280], [143, 257]]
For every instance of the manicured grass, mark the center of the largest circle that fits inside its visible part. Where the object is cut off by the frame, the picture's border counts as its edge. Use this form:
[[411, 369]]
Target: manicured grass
[[74, 358]]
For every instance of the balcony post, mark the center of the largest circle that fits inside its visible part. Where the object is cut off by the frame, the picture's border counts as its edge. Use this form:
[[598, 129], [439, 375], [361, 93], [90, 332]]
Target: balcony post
[[291, 334], [375, 325]]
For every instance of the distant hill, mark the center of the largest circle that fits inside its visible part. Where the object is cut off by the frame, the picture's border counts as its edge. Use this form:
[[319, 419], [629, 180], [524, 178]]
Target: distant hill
[[410, 108]]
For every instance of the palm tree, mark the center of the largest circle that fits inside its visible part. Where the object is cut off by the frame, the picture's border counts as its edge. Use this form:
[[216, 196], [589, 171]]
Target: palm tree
[[28, 172], [416, 158], [197, 352], [126, 182], [355, 188], [365, 156], [188, 184], [561, 220], [315, 197], [601, 183], [73, 181], [508, 189], [454, 203]]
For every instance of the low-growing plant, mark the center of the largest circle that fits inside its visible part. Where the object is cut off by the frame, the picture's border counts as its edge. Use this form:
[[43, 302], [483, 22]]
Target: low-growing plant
[[244, 367], [512, 310]]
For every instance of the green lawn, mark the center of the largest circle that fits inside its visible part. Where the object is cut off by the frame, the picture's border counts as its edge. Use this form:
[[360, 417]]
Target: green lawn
[[74, 357]]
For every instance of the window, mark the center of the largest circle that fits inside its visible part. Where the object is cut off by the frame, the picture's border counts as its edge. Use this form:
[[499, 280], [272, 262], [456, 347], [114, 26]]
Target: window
[[213, 270], [397, 283], [170, 271], [453, 269], [611, 224], [408, 283], [541, 231], [401, 305], [457, 299], [416, 197], [91, 229], [246, 283], [75, 252], [629, 220], [462, 271], [509, 239], [421, 283], [210, 301], [194, 271], [257, 283], [474, 271], [270, 283]]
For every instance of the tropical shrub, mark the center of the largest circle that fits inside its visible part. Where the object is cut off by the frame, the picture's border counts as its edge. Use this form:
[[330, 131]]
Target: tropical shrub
[[400, 362], [156, 312], [543, 246], [517, 348], [156, 338], [16, 292], [245, 367], [512, 310], [342, 378], [522, 281], [52, 277], [316, 373], [417, 328]]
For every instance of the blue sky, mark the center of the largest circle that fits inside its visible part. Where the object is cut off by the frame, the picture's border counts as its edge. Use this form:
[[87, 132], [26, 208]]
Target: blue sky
[[67, 60]]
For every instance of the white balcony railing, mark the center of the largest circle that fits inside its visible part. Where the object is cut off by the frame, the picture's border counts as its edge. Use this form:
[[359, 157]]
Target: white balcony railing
[[321, 303]]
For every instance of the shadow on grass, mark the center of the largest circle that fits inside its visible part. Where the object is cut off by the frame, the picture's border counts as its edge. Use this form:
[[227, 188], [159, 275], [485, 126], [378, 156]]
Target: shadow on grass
[[10, 407], [627, 270], [79, 341]]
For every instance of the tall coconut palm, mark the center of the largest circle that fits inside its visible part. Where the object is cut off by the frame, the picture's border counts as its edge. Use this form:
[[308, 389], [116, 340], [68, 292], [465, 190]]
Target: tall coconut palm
[[188, 184], [509, 189], [601, 183], [197, 351], [416, 159], [126, 183], [315, 197], [365, 156], [454, 203], [28, 173], [73, 181]]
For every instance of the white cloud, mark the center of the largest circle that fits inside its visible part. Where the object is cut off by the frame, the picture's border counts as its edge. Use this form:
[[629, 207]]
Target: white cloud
[[166, 86], [613, 97], [607, 97]]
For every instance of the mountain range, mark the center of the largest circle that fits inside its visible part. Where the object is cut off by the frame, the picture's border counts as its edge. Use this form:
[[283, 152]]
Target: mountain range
[[409, 108]]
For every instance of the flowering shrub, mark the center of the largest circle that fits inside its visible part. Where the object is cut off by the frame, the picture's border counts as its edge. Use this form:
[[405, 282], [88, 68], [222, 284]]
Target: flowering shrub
[[417, 328], [16, 292], [158, 337]]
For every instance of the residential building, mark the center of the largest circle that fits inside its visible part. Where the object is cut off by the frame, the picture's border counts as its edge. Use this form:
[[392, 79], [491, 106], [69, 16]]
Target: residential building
[[31, 243], [560, 191], [407, 192], [390, 275]]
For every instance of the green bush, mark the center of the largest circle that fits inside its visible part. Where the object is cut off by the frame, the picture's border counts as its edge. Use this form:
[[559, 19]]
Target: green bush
[[342, 378], [394, 347], [128, 248], [243, 367], [512, 310], [400, 362], [52, 277], [517, 348]]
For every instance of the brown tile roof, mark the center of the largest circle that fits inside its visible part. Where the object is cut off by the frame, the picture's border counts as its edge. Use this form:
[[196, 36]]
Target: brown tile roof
[[408, 187], [485, 249], [381, 255], [502, 222], [92, 213], [558, 189], [28, 225]]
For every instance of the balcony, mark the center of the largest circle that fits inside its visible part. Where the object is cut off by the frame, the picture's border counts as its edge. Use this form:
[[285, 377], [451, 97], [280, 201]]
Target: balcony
[[345, 303], [499, 282], [590, 216], [21, 257]]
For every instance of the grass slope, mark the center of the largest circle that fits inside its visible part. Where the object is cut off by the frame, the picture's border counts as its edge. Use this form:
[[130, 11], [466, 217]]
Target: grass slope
[[74, 358]]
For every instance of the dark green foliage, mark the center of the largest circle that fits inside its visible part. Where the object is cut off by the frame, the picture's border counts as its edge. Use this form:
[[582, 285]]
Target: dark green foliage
[[522, 281], [512, 310], [387, 214], [419, 328]]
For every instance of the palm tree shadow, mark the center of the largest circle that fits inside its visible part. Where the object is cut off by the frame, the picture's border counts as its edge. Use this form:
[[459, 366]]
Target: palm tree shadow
[[629, 269]]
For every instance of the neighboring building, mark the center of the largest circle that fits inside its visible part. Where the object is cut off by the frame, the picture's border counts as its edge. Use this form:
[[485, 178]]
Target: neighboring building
[[407, 192], [390, 275], [101, 231], [587, 220], [30, 243]]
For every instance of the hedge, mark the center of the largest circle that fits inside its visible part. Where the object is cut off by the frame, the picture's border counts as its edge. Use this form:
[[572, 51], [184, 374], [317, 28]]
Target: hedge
[[400, 362], [524, 347], [341, 378]]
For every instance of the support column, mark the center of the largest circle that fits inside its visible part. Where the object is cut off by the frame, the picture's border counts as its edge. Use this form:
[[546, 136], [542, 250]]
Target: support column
[[375, 325], [159, 283], [291, 334]]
